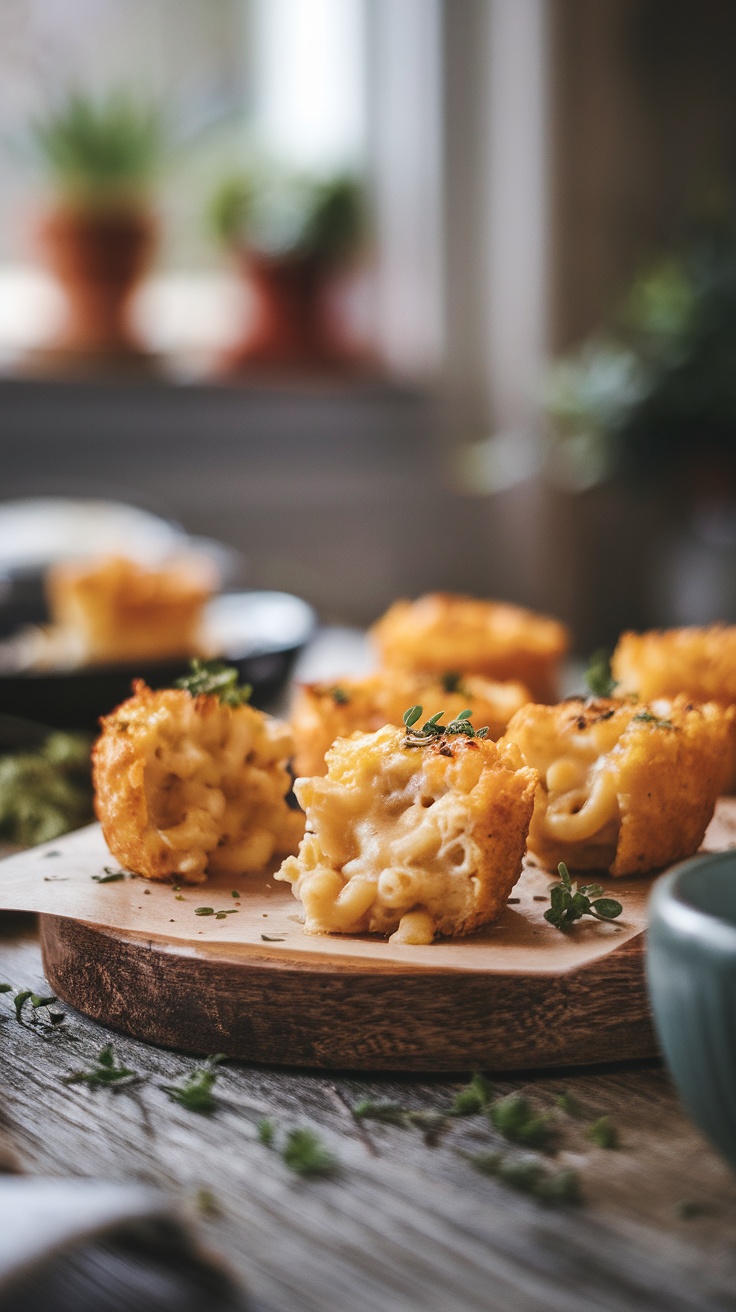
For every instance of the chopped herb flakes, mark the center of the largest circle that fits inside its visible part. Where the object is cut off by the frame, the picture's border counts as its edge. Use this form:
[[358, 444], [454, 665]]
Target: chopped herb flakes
[[272, 938], [339, 696], [515, 1118], [474, 1098], [603, 1133], [106, 1071], [266, 1131], [647, 717], [213, 679], [528, 1175], [305, 1154], [111, 877], [570, 903], [569, 1104], [431, 1123], [195, 1092], [210, 911], [451, 681]]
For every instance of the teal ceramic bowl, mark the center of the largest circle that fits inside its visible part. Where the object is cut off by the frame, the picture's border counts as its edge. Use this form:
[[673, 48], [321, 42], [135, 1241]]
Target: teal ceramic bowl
[[691, 969]]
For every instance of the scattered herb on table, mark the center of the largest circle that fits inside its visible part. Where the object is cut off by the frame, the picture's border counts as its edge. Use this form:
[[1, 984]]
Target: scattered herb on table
[[207, 1204], [38, 1004], [195, 1093], [528, 1175], [6, 988], [598, 675], [516, 1119], [474, 1098], [568, 1103], [603, 1133], [266, 1131], [210, 911], [432, 729], [431, 1123], [214, 679], [272, 938], [111, 877], [106, 1071], [305, 1153], [570, 903]]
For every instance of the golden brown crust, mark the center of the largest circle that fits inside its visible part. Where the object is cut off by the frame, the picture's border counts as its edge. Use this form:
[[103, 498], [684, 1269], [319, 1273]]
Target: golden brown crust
[[186, 785], [120, 611], [431, 835], [624, 787], [698, 662], [323, 712], [442, 631]]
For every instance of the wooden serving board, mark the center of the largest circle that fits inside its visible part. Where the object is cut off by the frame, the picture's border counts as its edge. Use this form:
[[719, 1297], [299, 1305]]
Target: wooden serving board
[[253, 985]]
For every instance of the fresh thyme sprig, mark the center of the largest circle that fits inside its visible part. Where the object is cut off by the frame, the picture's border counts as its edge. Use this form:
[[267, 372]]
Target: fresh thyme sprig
[[598, 675], [432, 729], [105, 1072], [215, 679], [570, 903], [195, 1092]]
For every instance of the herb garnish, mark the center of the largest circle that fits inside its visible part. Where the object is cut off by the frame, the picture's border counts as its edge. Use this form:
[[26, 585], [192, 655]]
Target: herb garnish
[[339, 696], [195, 1093], [570, 903], [649, 718], [432, 729], [598, 674], [474, 1098], [105, 1071], [210, 911], [214, 679], [37, 1003], [305, 1154], [266, 1131], [6, 988], [529, 1176], [517, 1120], [431, 1123], [603, 1133], [110, 877], [568, 1103]]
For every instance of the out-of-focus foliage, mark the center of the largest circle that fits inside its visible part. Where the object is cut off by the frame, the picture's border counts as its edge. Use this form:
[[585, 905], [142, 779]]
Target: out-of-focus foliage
[[101, 151], [655, 392], [279, 213], [46, 793]]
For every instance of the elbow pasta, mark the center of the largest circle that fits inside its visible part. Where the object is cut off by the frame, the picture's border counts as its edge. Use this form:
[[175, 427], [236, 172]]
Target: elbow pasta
[[188, 786], [411, 841], [623, 787]]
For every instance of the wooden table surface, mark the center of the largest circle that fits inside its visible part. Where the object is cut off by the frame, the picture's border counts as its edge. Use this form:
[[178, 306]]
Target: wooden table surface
[[402, 1224]]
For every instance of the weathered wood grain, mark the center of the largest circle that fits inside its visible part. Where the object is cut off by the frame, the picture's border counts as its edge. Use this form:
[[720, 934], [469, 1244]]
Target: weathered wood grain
[[403, 1227], [332, 1015]]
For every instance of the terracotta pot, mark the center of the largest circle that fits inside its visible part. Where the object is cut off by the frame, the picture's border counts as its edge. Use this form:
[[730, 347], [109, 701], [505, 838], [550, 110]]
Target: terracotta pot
[[99, 259], [292, 324]]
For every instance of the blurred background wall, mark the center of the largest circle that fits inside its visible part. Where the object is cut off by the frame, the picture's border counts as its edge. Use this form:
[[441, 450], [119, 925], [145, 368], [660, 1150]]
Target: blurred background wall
[[522, 162]]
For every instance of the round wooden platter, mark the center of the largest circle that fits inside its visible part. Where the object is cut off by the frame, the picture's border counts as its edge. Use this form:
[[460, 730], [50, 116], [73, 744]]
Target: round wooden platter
[[251, 984]]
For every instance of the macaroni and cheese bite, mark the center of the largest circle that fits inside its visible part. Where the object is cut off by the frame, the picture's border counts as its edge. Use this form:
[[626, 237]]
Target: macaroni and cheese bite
[[700, 662], [323, 712], [115, 610], [188, 785], [442, 631], [623, 786], [410, 835]]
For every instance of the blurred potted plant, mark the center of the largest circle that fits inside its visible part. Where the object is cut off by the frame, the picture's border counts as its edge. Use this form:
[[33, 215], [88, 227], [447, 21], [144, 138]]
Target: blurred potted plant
[[98, 235], [649, 403], [290, 235], [652, 398]]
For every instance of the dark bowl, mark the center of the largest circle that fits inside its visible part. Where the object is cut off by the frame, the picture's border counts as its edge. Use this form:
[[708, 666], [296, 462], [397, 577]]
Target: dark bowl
[[260, 633]]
